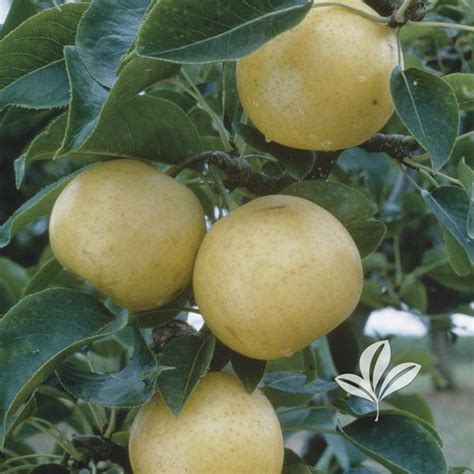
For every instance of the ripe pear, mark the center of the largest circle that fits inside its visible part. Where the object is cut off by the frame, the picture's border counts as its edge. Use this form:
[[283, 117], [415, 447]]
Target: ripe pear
[[325, 84], [130, 230], [221, 430], [275, 274]]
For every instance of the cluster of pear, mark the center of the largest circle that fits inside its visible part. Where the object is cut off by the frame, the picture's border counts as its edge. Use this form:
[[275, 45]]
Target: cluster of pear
[[270, 277]]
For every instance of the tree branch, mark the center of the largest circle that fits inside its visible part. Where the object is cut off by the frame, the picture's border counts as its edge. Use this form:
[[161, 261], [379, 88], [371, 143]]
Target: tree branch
[[241, 174]]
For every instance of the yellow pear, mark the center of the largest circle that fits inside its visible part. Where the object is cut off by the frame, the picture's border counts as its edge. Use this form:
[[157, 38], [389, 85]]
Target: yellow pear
[[323, 85], [275, 274], [221, 430], [130, 230]]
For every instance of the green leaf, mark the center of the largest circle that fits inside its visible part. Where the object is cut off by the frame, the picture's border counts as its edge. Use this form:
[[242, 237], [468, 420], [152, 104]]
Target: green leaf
[[450, 205], [428, 107], [106, 33], [291, 458], [310, 364], [32, 70], [14, 275], [249, 371], [43, 147], [298, 163], [87, 100], [458, 257], [397, 442], [291, 389], [190, 356], [39, 332], [368, 235], [230, 95], [352, 208], [50, 273], [412, 403], [128, 124], [225, 31], [38, 206], [20, 10], [131, 387], [344, 202], [463, 85], [444, 274], [466, 176]]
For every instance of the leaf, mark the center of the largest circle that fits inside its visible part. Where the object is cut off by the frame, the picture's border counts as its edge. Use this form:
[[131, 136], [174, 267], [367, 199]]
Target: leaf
[[131, 124], [290, 458], [400, 376], [39, 332], [249, 371], [32, 70], [231, 105], [190, 356], [428, 107], [413, 403], [368, 235], [363, 389], [43, 147], [87, 100], [105, 34], [457, 255], [131, 387], [352, 208], [14, 276], [20, 10], [344, 202], [290, 388], [38, 206], [43, 277], [397, 442], [463, 85], [450, 205], [216, 30], [310, 364], [298, 163], [466, 175]]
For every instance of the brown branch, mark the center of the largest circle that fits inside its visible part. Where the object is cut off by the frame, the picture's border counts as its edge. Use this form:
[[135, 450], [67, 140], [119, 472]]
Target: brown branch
[[241, 174], [238, 173]]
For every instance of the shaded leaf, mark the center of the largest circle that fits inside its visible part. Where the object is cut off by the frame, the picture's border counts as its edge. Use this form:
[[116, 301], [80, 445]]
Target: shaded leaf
[[39, 332], [225, 30], [20, 10], [413, 403], [106, 33], [249, 371], [190, 356], [38, 206], [132, 386], [32, 70], [310, 364], [463, 85], [397, 442], [450, 205]]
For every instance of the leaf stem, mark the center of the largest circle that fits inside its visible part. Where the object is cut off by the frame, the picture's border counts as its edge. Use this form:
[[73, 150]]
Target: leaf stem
[[196, 94], [413, 164], [31, 456], [112, 423], [440, 24]]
